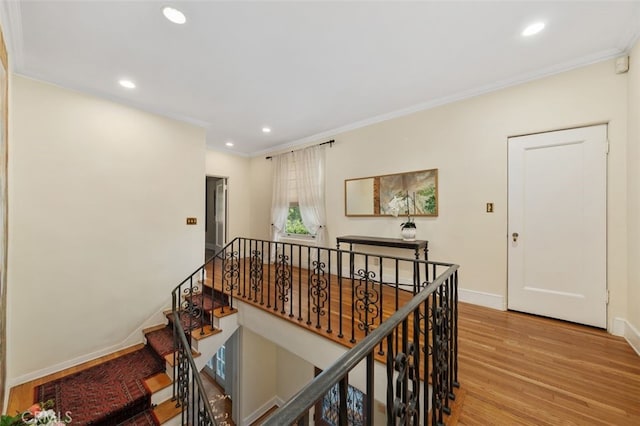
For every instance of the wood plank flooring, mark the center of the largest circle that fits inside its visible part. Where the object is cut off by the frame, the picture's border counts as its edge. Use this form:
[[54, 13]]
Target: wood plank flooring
[[519, 369], [514, 369]]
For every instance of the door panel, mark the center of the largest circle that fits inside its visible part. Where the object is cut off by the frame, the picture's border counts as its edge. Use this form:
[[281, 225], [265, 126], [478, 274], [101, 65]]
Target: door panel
[[220, 213], [557, 224]]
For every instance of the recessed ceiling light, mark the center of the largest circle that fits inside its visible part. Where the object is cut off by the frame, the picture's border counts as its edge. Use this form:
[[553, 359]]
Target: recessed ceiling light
[[266, 130], [174, 15], [229, 144], [127, 83], [532, 29]]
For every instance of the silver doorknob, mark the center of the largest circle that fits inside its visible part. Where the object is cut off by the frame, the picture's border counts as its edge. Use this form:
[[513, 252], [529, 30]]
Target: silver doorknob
[[515, 236]]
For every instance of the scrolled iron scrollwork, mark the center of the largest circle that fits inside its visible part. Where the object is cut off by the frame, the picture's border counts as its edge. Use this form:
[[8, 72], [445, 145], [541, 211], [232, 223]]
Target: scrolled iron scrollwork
[[256, 272], [405, 404], [231, 271], [182, 363], [440, 357], [283, 280], [366, 299], [318, 288]]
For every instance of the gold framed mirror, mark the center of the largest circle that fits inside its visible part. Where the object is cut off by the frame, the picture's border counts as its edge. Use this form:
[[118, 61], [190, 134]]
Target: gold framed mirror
[[398, 194]]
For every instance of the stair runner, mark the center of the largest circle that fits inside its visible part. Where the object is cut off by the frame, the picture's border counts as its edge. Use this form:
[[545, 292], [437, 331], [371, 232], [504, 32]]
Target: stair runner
[[113, 392]]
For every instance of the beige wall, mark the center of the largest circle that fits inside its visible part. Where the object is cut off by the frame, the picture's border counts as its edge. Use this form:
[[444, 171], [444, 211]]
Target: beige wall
[[99, 195], [293, 373], [467, 142], [633, 163], [237, 170], [258, 386]]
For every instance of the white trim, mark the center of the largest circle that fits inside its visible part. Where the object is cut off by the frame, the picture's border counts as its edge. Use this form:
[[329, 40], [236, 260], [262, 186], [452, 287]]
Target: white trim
[[492, 87], [488, 300], [134, 338], [622, 327], [66, 364], [261, 410]]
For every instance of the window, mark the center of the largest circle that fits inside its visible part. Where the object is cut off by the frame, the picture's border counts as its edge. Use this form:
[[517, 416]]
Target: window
[[220, 362], [295, 226]]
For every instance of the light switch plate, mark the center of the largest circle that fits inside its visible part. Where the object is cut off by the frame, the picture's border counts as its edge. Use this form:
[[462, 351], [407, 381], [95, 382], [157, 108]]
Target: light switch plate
[[489, 207]]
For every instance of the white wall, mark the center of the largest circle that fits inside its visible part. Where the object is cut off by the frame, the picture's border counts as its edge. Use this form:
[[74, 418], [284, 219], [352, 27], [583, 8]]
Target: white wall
[[633, 163], [467, 142], [236, 169], [97, 236]]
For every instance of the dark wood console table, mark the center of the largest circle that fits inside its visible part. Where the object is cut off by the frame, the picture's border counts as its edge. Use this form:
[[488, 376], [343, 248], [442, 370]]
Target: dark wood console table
[[416, 245]]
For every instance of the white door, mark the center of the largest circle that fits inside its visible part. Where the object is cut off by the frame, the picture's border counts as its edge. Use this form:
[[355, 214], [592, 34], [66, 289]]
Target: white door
[[557, 225], [221, 212]]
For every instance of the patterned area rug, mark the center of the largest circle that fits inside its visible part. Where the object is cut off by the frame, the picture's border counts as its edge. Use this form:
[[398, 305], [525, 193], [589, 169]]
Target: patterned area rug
[[142, 419], [107, 394], [161, 341]]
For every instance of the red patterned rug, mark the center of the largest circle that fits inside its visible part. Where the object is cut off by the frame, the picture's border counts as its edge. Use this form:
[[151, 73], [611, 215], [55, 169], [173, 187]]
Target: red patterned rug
[[161, 341], [142, 419], [107, 394]]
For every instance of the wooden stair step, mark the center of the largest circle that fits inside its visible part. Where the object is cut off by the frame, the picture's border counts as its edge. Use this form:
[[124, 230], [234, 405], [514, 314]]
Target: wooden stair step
[[153, 328], [157, 382], [223, 312], [165, 411], [199, 334]]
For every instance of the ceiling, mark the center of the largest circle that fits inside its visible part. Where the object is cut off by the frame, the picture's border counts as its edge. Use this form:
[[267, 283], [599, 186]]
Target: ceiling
[[305, 69]]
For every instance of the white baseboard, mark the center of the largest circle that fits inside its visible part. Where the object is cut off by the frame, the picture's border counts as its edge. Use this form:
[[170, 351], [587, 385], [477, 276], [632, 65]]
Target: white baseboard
[[622, 327], [64, 365], [488, 300], [132, 339], [261, 410]]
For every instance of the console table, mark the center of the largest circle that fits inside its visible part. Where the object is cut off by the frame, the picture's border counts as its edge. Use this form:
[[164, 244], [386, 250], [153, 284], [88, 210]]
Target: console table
[[416, 245]]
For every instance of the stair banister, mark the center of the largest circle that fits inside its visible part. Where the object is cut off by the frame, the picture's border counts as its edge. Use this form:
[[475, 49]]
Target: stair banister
[[298, 406]]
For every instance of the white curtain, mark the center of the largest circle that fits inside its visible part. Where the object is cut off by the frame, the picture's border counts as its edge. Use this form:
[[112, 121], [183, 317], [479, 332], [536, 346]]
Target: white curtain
[[309, 164], [280, 195]]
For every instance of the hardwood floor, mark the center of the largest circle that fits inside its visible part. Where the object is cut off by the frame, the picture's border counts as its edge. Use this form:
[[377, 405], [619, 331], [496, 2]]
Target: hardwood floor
[[514, 369], [220, 403], [520, 369]]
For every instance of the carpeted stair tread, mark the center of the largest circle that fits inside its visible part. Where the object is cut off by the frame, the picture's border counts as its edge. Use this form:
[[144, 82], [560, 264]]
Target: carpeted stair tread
[[188, 322], [161, 341], [106, 394], [143, 419]]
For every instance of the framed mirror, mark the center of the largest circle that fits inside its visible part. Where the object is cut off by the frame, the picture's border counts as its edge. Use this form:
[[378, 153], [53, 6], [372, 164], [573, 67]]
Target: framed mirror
[[398, 194]]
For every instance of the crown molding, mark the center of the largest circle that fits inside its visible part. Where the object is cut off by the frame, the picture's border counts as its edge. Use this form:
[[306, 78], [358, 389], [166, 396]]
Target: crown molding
[[467, 94]]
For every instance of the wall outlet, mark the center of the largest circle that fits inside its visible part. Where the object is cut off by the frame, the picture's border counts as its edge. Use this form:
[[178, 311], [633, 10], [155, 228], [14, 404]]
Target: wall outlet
[[192, 221], [489, 207]]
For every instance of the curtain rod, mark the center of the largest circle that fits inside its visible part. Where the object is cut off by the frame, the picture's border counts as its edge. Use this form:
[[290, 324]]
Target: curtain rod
[[330, 143]]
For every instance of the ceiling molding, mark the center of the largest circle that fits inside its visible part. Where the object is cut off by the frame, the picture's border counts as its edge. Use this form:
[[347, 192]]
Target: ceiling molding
[[11, 21], [121, 101], [521, 79]]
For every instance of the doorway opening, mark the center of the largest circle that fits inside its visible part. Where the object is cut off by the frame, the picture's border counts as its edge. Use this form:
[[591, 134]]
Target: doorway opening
[[221, 377], [215, 215]]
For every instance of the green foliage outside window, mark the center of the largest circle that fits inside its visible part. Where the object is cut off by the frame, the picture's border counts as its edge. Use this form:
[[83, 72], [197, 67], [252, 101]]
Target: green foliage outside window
[[294, 222]]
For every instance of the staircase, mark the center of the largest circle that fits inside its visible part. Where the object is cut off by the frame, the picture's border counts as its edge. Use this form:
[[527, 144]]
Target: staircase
[[207, 335]]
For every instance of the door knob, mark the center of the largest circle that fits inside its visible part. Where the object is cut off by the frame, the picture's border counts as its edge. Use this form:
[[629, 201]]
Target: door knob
[[515, 236]]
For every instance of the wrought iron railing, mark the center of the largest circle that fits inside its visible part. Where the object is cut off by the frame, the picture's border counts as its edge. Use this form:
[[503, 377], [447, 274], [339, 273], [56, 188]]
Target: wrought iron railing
[[189, 391], [404, 308]]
